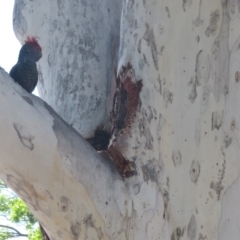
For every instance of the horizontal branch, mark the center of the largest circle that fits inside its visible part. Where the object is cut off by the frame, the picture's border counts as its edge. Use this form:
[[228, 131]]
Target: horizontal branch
[[16, 234]]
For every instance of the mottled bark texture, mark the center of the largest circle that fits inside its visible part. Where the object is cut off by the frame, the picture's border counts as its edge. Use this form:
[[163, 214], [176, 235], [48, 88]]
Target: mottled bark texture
[[175, 133], [185, 140], [80, 42], [66, 184]]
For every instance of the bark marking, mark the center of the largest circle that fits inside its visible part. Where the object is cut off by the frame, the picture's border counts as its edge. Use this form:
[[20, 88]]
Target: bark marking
[[151, 42], [167, 96], [24, 137], [125, 167], [202, 68], [217, 119], [237, 79], [29, 194], [221, 55], [192, 228], [194, 171], [186, 2], [125, 107], [168, 12], [151, 171], [126, 99], [177, 234], [193, 93], [149, 139], [177, 158], [198, 21], [197, 134], [217, 186], [227, 140], [76, 230], [90, 223], [64, 202], [205, 99], [213, 23]]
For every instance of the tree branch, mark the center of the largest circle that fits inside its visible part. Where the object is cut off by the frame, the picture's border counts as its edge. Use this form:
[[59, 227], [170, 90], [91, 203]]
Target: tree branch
[[50, 166], [15, 230]]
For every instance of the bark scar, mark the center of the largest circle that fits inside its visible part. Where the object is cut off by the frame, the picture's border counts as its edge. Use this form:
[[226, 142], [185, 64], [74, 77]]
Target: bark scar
[[126, 99], [125, 167], [24, 137], [125, 106]]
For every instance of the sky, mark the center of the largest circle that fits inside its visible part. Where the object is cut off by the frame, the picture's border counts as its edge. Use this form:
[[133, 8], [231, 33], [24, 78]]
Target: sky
[[9, 46]]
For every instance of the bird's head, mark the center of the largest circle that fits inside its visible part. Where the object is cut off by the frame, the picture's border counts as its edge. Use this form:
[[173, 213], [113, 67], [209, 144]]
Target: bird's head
[[31, 50]]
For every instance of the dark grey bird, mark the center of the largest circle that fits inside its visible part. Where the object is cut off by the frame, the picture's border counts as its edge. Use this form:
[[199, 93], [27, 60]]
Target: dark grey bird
[[25, 72]]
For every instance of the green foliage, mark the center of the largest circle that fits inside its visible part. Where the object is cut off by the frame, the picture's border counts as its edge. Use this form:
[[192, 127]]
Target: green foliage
[[35, 235], [15, 210], [4, 235]]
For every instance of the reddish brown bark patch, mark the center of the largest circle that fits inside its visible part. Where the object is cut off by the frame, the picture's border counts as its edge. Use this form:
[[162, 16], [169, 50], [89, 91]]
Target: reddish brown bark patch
[[125, 167], [125, 106], [126, 99]]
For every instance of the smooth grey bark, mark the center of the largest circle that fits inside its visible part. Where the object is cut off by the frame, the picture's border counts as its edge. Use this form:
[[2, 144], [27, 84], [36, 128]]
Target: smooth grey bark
[[80, 41]]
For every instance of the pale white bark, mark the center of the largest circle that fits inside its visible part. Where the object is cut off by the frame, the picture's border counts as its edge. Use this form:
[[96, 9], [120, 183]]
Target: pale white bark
[[68, 186], [80, 42], [184, 139], [187, 132]]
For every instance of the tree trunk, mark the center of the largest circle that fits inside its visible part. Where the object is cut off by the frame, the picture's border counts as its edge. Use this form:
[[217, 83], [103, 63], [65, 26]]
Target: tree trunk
[[174, 121], [44, 234], [80, 42]]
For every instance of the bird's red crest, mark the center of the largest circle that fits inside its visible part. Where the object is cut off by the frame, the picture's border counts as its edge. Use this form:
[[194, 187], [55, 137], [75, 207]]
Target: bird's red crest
[[33, 41]]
